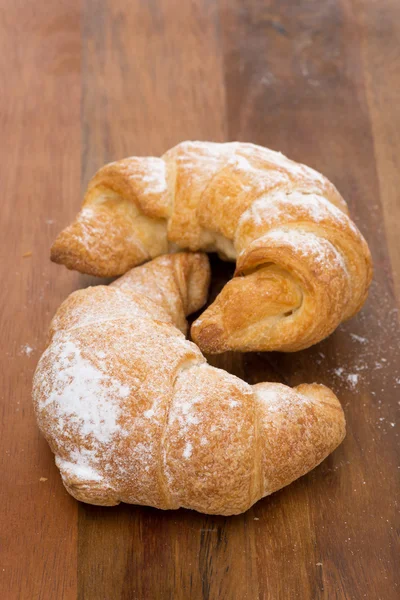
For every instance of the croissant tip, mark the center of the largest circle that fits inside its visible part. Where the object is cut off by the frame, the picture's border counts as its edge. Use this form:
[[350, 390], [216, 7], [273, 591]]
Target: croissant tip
[[72, 254], [55, 253], [210, 338], [61, 254], [85, 488]]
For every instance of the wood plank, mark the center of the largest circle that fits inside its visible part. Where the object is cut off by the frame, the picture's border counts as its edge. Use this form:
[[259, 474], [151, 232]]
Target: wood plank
[[39, 173], [380, 51], [295, 83]]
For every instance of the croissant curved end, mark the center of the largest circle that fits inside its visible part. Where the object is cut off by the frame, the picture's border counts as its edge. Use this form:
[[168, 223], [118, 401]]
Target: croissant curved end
[[330, 415], [330, 408], [86, 485], [313, 418], [94, 246], [109, 236]]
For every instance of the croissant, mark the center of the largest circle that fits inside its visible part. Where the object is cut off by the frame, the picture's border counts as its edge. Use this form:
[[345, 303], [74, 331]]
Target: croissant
[[302, 266], [134, 413]]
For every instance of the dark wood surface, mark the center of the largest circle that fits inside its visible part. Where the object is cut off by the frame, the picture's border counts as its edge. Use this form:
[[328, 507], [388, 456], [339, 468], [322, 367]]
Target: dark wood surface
[[84, 82]]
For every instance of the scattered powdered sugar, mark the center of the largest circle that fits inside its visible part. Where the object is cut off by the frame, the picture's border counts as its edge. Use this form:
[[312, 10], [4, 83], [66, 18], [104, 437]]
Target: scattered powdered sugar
[[379, 365], [367, 357], [359, 338], [81, 395], [27, 350], [339, 371], [350, 378]]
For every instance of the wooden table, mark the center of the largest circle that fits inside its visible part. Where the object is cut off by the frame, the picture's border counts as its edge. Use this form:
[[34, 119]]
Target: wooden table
[[86, 82]]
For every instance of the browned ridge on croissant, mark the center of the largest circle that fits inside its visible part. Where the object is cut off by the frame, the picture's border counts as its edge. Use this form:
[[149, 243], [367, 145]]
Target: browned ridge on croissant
[[134, 413], [302, 266]]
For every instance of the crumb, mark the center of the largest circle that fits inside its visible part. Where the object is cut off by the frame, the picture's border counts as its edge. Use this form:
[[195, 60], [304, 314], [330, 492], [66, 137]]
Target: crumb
[[27, 254], [318, 564], [256, 519], [352, 378], [43, 479]]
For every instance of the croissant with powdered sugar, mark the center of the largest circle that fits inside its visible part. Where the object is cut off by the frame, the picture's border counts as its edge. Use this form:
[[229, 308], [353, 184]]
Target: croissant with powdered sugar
[[134, 413], [302, 266]]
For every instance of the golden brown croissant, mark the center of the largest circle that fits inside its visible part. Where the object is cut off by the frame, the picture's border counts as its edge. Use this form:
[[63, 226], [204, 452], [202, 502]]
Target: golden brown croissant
[[135, 414], [302, 265]]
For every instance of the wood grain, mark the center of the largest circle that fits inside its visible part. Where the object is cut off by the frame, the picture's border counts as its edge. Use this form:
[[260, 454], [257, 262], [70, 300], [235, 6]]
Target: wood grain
[[87, 82], [39, 173]]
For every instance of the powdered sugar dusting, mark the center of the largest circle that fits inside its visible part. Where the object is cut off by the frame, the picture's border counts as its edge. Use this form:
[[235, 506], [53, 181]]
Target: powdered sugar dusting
[[187, 453], [352, 378], [308, 244], [79, 466], [87, 233], [81, 396], [274, 397], [201, 160], [154, 179], [183, 412], [292, 206]]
